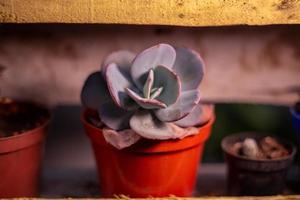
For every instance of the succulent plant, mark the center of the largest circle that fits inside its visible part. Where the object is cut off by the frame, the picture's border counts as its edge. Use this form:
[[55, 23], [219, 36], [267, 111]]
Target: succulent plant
[[154, 93]]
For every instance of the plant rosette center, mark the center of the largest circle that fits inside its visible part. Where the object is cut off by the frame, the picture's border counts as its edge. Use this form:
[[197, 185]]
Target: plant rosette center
[[154, 94]]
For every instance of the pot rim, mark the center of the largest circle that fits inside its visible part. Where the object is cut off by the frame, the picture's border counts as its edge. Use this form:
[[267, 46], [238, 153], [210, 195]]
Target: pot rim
[[159, 146], [12, 143], [292, 146]]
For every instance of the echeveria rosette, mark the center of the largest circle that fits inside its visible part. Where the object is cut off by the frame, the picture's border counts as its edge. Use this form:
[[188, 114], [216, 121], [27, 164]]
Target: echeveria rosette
[[155, 94]]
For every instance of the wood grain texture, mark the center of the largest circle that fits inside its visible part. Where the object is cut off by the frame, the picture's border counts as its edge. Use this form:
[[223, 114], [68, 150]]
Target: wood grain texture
[[49, 63], [279, 197], [149, 12]]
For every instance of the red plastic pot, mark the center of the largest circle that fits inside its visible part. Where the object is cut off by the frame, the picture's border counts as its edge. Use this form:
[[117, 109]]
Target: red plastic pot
[[20, 162], [150, 167]]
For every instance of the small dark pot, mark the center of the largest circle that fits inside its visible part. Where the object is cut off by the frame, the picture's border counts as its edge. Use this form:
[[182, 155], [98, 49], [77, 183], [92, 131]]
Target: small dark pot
[[255, 177]]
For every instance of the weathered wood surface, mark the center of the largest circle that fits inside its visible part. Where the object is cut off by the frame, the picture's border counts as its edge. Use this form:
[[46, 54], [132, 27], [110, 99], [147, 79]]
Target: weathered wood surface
[[290, 197], [49, 63], [166, 12]]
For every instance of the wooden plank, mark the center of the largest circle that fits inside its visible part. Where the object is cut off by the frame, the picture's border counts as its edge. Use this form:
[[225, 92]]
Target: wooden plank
[[49, 63], [167, 12], [289, 197]]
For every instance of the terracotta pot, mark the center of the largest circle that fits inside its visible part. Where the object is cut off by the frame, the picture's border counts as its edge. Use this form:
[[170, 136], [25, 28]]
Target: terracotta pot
[[20, 162], [150, 167], [246, 176]]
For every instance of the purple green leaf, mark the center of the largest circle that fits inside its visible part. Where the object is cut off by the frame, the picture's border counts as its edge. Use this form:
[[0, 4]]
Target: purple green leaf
[[189, 67], [116, 83], [122, 58], [147, 126], [184, 105], [162, 54], [114, 117], [94, 92], [170, 82], [200, 115]]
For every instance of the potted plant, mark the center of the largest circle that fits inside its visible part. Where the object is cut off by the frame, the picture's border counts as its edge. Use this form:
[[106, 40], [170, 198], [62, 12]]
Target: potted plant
[[22, 131], [257, 164], [145, 121]]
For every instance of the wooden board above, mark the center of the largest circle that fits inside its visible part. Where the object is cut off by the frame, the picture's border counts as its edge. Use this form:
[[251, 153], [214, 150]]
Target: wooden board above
[[49, 63], [123, 197], [158, 12]]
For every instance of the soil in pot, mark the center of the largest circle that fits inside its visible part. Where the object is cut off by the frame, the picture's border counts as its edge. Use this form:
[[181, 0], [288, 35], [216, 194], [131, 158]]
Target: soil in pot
[[257, 164], [22, 130], [154, 168]]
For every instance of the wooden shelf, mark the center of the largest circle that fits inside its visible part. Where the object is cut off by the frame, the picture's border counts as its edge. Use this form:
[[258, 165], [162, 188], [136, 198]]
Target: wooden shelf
[[211, 184], [168, 12]]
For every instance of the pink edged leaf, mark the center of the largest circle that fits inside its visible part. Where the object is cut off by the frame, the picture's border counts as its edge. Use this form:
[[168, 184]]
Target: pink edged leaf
[[184, 105], [116, 83], [114, 117], [165, 78], [122, 58], [156, 92], [120, 139], [161, 54], [189, 67], [94, 92], [201, 114], [181, 133], [148, 85], [147, 126], [143, 102]]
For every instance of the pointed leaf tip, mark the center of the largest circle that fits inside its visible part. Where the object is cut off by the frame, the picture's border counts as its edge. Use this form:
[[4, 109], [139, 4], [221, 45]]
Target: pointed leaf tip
[[148, 85], [145, 103], [156, 92], [161, 54]]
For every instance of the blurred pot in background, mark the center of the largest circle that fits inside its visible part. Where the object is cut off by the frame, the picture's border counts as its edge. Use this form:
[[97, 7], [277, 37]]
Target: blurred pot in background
[[257, 164], [22, 132]]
